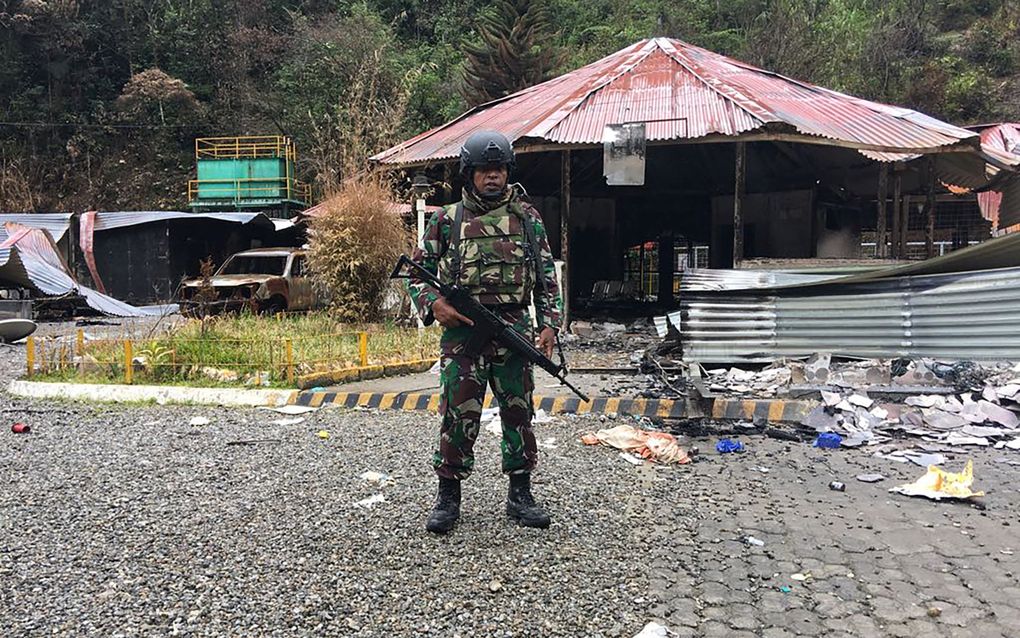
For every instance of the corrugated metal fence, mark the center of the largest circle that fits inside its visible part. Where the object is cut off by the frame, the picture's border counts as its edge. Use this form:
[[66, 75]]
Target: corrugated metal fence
[[734, 316], [970, 316]]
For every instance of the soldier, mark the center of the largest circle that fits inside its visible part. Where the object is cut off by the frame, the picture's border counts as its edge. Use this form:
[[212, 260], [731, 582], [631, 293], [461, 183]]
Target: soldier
[[493, 244]]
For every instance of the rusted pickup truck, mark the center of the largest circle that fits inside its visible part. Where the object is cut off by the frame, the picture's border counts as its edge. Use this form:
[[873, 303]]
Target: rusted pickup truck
[[261, 280]]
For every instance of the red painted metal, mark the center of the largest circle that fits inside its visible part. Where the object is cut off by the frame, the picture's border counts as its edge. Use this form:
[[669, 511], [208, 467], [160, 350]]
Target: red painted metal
[[682, 92], [1005, 138]]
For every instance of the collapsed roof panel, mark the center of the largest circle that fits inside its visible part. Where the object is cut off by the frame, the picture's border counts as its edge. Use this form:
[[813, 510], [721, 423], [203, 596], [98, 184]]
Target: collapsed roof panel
[[29, 258]]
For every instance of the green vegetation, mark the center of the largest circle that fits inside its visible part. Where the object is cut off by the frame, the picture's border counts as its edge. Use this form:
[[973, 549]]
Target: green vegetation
[[233, 351], [515, 50], [102, 100]]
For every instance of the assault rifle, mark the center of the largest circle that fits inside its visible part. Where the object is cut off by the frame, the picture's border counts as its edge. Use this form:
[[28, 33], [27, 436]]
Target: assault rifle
[[488, 325]]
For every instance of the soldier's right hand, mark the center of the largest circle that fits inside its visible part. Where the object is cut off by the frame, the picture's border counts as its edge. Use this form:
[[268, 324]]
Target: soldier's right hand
[[447, 315]]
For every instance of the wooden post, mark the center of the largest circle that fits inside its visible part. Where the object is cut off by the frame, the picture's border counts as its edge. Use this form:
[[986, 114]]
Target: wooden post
[[129, 368], [881, 250], [641, 271], [363, 348], [447, 183], [929, 209], [896, 216], [905, 226], [80, 342], [30, 356], [290, 361], [738, 203], [565, 235]]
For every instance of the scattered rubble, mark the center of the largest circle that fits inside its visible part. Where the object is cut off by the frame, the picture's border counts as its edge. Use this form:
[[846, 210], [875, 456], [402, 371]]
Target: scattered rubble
[[984, 417]]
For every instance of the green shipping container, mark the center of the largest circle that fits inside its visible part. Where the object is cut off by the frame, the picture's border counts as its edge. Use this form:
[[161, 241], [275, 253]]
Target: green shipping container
[[246, 172]]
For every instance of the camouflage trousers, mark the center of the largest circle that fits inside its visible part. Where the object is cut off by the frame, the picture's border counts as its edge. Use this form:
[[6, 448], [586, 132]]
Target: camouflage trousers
[[464, 379]]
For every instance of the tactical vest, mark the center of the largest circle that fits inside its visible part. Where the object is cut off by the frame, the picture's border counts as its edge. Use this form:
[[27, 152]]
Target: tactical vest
[[490, 257]]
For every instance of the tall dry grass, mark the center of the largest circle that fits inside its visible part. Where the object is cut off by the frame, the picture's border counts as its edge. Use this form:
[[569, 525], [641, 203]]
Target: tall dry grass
[[354, 245], [16, 194]]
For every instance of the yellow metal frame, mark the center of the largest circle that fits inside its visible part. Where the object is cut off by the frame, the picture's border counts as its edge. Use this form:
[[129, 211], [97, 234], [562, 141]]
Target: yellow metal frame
[[245, 147], [237, 189]]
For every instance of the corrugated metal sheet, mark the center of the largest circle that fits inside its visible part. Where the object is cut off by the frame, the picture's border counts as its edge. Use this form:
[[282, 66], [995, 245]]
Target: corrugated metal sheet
[[967, 316], [707, 279], [33, 262], [56, 224], [111, 220], [1004, 138], [682, 92], [962, 306]]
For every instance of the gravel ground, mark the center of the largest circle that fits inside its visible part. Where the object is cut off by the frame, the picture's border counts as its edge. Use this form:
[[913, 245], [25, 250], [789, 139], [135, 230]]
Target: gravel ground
[[131, 521]]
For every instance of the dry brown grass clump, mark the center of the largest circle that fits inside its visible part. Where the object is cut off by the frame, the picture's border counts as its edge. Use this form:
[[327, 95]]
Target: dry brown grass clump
[[16, 194], [354, 245]]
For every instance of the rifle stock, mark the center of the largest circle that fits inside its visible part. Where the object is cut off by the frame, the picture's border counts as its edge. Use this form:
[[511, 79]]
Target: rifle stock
[[488, 325]]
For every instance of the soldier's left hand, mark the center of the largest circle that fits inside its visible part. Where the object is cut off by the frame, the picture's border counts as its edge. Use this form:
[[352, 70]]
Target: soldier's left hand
[[546, 339]]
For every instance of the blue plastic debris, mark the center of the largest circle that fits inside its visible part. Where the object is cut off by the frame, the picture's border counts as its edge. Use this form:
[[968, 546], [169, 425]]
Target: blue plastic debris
[[828, 440], [786, 589], [725, 446]]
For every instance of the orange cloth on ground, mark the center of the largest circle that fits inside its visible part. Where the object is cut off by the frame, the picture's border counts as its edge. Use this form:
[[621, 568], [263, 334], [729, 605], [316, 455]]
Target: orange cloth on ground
[[656, 446]]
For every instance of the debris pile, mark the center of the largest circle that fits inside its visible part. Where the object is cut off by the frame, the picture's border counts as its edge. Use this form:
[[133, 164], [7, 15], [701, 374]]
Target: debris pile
[[792, 376], [986, 417], [763, 383], [595, 345]]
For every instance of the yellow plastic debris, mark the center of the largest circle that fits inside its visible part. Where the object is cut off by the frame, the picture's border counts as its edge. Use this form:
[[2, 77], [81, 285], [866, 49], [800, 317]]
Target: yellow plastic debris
[[323, 434], [938, 484]]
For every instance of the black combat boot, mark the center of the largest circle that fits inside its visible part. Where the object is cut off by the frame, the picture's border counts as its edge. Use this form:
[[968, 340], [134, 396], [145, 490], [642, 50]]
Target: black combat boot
[[521, 505], [447, 507]]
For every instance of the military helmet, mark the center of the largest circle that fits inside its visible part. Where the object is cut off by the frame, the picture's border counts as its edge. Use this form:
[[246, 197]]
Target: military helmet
[[484, 148]]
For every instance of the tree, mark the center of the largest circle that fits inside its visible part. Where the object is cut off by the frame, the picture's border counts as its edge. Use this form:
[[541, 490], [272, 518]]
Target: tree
[[516, 50], [155, 87]]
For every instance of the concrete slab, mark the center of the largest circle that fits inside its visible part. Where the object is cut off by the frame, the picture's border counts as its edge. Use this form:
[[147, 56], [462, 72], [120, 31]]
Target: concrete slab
[[158, 393]]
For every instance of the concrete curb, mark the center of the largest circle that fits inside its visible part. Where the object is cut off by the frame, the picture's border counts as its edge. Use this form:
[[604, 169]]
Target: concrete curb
[[158, 393], [773, 410], [347, 375], [769, 410]]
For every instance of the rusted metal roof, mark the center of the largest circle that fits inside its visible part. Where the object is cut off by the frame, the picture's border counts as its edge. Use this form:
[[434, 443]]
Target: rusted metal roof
[[1005, 138], [401, 208], [683, 92]]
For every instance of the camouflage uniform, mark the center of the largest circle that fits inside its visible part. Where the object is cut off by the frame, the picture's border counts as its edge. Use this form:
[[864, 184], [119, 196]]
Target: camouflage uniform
[[497, 265]]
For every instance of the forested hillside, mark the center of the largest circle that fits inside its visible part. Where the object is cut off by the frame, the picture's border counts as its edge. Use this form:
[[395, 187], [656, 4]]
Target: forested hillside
[[100, 101]]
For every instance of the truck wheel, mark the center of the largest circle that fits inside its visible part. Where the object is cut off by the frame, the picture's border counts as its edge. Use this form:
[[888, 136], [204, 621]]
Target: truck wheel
[[274, 305]]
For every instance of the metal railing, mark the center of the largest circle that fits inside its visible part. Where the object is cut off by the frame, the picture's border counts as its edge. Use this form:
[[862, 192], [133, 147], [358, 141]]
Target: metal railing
[[245, 147]]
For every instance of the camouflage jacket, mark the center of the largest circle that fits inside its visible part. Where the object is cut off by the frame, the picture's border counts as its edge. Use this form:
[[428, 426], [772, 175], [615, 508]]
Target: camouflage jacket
[[435, 243]]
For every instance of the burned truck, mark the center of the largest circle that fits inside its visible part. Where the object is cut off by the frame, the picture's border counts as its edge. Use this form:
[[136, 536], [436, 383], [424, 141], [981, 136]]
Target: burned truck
[[263, 280]]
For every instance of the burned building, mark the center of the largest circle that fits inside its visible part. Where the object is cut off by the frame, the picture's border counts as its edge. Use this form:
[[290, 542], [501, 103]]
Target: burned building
[[665, 156], [136, 257]]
